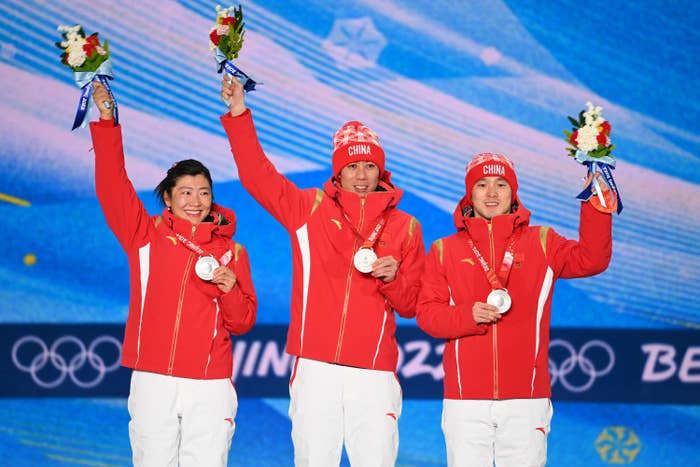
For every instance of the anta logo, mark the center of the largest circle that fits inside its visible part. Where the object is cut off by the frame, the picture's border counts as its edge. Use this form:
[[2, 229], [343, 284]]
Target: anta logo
[[360, 150], [337, 223], [172, 239], [494, 169], [467, 260]]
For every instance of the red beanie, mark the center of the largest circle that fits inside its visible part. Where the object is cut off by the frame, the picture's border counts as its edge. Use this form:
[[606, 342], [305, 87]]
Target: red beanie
[[355, 142], [487, 164]]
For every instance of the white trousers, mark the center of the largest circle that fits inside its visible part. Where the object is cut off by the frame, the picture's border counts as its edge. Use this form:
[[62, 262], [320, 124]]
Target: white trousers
[[512, 432], [334, 404], [180, 421]]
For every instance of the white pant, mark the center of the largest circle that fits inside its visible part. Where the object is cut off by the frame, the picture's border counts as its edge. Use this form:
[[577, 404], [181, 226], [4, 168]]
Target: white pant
[[331, 404], [190, 421], [512, 432]]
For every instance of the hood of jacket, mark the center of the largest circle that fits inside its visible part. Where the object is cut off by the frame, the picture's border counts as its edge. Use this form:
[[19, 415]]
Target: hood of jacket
[[386, 196], [220, 221], [462, 215]]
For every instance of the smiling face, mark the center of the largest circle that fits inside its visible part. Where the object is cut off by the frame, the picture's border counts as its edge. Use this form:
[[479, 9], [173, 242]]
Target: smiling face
[[190, 198], [360, 177], [491, 196]]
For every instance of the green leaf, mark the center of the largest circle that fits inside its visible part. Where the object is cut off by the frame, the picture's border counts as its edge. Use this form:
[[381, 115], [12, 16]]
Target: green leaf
[[574, 122]]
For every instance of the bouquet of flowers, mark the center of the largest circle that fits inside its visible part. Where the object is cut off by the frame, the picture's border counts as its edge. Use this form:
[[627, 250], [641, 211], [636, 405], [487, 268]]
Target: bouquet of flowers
[[89, 61], [591, 146], [226, 40]]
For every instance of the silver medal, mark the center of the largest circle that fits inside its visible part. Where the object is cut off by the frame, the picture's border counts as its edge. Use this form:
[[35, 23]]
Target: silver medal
[[363, 259], [205, 267], [500, 299]]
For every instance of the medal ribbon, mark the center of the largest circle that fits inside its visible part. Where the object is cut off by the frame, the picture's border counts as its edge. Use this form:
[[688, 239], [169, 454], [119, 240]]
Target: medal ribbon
[[371, 240], [499, 280], [192, 246]]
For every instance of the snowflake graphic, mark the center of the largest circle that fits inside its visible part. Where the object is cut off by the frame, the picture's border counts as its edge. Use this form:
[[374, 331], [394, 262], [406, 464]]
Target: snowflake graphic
[[618, 445], [354, 43]]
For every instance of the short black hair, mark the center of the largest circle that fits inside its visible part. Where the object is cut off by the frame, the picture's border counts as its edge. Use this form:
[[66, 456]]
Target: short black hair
[[185, 167]]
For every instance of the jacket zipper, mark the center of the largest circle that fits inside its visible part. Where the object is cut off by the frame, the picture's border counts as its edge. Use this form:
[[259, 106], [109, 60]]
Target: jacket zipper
[[492, 254], [173, 345], [348, 282]]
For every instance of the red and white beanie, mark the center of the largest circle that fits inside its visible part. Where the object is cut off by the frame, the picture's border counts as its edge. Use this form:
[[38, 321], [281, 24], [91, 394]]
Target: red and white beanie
[[487, 164], [355, 142]]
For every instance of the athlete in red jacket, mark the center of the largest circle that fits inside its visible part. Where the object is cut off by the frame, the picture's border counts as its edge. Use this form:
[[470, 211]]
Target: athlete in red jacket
[[182, 308], [497, 386], [343, 388]]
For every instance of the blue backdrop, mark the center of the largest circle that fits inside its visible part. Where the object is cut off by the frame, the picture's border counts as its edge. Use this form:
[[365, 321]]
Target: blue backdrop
[[438, 81]]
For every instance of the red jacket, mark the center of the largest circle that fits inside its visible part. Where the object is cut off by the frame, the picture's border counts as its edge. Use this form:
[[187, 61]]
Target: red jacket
[[178, 324], [338, 314], [508, 359]]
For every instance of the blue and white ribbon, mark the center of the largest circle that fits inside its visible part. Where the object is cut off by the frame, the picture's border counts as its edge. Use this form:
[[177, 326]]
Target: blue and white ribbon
[[84, 81], [224, 64], [606, 165]]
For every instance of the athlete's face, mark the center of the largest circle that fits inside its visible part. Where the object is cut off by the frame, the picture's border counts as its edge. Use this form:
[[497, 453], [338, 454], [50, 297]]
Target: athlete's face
[[491, 196], [360, 177], [190, 198]]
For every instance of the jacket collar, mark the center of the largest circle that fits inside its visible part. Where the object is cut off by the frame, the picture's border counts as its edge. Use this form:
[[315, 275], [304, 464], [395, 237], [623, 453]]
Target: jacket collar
[[477, 227], [386, 197], [220, 222]]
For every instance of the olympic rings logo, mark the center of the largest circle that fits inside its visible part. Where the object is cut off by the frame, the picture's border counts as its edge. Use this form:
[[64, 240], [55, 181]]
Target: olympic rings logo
[[71, 365], [582, 361]]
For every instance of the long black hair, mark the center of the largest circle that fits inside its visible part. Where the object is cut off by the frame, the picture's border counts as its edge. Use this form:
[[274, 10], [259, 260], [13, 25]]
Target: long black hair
[[186, 167]]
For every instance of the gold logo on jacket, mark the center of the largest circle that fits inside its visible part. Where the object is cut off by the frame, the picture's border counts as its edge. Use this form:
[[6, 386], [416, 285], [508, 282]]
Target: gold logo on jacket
[[467, 260], [337, 223], [172, 239]]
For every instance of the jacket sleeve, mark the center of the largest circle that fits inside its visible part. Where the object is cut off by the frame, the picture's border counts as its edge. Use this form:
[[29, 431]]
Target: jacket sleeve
[[589, 255], [437, 313], [240, 304], [122, 208], [280, 197], [402, 292]]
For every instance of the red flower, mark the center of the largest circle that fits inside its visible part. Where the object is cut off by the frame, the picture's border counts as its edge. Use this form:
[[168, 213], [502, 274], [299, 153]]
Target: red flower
[[605, 128], [89, 49], [230, 20], [214, 37], [602, 139], [573, 137], [92, 42]]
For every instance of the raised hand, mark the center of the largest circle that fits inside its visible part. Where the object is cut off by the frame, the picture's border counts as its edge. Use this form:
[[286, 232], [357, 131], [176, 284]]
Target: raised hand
[[103, 101], [232, 92]]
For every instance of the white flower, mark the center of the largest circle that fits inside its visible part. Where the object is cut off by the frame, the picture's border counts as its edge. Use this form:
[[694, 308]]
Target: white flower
[[76, 57], [224, 12], [222, 30], [593, 116], [587, 138]]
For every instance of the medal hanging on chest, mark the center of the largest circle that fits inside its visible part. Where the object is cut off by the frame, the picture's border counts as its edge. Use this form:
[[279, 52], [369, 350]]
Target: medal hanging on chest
[[365, 256], [364, 259], [499, 296], [500, 299], [205, 267], [206, 264]]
